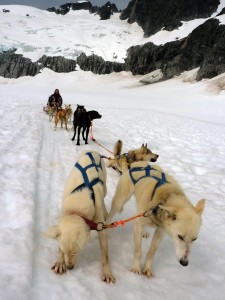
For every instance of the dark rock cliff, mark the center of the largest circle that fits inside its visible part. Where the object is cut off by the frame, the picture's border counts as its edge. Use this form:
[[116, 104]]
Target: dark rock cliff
[[153, 15], [107, 10], [104, 11], [15, 65], [98, 65], [58, 64], [204, 48], [65, 8]]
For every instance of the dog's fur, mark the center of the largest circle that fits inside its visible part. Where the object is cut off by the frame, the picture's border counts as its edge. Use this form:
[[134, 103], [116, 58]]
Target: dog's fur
[[169, 211], [69, 112], [141, 154], [51, 111], [83, 120], [72, 232], [63, 115]]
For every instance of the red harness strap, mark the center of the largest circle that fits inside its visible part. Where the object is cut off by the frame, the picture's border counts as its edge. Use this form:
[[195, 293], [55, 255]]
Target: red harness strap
[[101, 226], [94, 226]]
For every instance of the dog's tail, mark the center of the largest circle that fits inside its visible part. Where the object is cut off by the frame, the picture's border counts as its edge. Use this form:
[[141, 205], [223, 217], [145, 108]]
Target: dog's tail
[[118, 148]]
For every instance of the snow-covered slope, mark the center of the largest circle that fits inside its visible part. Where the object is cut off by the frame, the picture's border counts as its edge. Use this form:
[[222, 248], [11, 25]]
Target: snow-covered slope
[[70, 35]]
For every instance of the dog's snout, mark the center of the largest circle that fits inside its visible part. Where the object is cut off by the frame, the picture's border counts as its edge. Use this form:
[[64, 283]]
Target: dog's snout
[[183, 262], [154, 158], [70, 267]]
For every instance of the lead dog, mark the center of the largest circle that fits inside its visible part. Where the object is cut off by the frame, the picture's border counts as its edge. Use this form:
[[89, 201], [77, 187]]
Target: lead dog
[[83, 200], [140, 154], [169, 210]]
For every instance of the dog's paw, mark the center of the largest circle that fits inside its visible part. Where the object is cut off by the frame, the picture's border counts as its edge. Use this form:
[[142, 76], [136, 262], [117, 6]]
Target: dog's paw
[[108, 278], [136, 270], [147, 272], [59, 268], [145, 235]]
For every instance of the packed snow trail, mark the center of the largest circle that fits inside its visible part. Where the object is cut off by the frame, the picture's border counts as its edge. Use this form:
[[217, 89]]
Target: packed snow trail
[[36, 160]]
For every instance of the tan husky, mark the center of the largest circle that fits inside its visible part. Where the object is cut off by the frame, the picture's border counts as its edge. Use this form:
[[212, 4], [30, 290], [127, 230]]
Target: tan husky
[[83, 204], [69, 112], [141, 154], [63, 114], [169, 210], [51, 111]]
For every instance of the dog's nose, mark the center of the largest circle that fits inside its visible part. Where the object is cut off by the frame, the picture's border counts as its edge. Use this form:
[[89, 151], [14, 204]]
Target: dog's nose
[[70, 267], [183, 262]]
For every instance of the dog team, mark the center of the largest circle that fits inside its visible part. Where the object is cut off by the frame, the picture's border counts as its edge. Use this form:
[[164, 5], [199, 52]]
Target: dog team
[[54, 108], [160, 201], [82, 119]]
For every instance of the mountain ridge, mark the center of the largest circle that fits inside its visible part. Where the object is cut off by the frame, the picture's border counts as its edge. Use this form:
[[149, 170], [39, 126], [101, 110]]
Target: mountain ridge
[[202, 48]]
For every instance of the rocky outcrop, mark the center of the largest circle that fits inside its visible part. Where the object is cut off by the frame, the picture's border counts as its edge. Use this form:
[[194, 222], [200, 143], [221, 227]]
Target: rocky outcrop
[[65, 8], [152, 77], [98, 65], [204, 48], [153, 15], [104, 12], [107, 10], [15, 65], [58, 64]]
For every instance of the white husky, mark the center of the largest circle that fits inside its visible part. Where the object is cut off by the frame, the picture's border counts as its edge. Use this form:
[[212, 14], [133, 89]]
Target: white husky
[[168, 210], [83, 204]]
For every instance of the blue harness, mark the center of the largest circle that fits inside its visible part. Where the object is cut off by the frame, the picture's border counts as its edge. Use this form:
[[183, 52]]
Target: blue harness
[[160, 181], [88, 184]]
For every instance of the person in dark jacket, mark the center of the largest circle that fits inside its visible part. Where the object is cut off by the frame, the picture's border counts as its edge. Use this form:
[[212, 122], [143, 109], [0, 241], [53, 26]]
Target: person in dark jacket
[[55, 99]]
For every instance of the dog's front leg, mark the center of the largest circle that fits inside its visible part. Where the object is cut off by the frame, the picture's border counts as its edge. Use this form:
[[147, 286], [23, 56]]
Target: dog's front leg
[[157, 237], [83, 132], [107, 275], [123, 193], [87, 133], [60, 266], [137, 247], [73, 138], [78, 136]]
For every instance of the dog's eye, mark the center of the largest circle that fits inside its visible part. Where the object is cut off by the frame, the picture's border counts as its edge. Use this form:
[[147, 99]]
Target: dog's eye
[[181, 237], [194, 239]]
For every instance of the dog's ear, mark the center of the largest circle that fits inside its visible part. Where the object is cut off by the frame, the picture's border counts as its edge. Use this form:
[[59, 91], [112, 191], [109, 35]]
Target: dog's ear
[[53, 232], [82, 239], [142, 145], [169, 212], [200, 206], [146, 146]]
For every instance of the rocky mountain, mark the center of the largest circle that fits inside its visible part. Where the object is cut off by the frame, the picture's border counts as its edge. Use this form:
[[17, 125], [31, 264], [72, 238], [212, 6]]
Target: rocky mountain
[[153, 15], [104, 11], [203, 48]]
